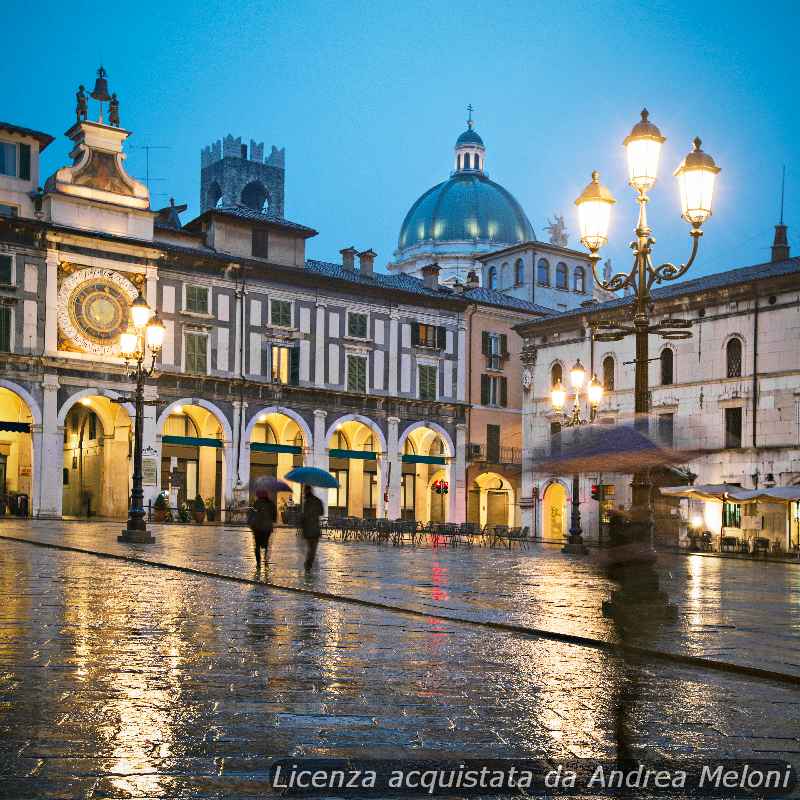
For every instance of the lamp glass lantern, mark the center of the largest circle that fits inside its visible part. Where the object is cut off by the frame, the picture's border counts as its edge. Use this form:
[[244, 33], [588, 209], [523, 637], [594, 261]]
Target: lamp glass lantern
[[558, 396], [594, 213], [155, 332], [643, 148], [128, 343], [577, 375], [141, 313], [594, 391], [696, 176]]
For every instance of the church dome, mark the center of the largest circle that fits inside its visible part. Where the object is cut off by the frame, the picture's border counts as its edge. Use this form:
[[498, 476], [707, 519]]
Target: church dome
[[466, 208]]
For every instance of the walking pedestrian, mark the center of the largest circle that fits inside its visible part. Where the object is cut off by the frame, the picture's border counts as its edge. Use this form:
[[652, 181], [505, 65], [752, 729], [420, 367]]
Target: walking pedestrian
[[312, 511], [261, 520]]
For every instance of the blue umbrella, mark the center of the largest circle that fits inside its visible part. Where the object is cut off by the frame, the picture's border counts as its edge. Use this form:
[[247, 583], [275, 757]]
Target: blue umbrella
[[313, 476]]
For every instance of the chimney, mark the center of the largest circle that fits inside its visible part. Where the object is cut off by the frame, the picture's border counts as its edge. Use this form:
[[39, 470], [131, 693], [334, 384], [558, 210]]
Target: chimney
[[366, 262], [349, 258], [780, 244], [473, 282], [430, 276]]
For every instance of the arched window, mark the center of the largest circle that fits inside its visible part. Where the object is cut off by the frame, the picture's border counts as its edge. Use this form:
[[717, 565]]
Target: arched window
[[492, 279], [562, 276], [556, 374], [579, 280], [519, 272], [608, 373], [503, 276], [733, 357], [543, 272], [667, 367]]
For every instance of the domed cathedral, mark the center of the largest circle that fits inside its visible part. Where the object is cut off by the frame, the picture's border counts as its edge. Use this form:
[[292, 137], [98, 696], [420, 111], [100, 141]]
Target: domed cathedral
[[461, 219]]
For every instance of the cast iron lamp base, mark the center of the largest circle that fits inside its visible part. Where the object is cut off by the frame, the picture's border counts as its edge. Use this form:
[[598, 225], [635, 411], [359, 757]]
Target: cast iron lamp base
[[575, 546], [136, 537]]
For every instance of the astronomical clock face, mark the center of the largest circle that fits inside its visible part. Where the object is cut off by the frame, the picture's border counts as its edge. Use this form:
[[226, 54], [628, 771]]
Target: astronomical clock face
[[93, 307]]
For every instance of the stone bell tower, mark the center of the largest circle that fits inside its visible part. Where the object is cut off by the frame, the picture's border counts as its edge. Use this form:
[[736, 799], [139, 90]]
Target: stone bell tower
[[230, 176]]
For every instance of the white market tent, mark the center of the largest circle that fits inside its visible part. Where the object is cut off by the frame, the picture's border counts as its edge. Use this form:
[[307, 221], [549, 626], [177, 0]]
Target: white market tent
[[730, 493]]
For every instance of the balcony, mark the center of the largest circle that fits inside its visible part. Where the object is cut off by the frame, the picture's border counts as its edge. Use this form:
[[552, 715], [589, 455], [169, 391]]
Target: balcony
[[502, 456]]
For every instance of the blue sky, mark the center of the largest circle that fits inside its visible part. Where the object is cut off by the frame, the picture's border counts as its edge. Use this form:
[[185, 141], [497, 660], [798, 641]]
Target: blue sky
[[369, 97]]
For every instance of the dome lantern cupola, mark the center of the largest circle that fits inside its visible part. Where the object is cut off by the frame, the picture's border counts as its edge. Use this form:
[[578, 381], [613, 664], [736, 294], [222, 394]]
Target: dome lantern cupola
[[470, 152]]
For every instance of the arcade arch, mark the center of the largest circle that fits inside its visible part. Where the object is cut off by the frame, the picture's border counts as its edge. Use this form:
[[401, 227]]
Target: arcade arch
[[97, 462], [492, 500], [278, 443], [355, 449], [426, 460], [16, 451]]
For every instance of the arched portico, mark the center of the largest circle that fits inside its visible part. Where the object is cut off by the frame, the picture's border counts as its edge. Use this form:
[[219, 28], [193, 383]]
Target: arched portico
[[19, 413], [555, 521], [195, 439], [426, 457], [492, 500], [97, 449], [356, 450], [277, 439]]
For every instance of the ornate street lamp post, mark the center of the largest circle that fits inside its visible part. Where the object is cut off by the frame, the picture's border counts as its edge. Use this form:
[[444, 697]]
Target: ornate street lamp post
[[145, 335], [558, 398], [696, 177]]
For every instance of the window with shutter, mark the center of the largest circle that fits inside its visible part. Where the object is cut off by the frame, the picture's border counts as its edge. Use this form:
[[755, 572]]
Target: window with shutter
[[426, 335], [281, 313], [294, 366], [197, 299], [8, 159], [441, 338], [485, 343], [5, 269], [25, 161], [5, 329], [493, 443], [196, 353], [484, 390], [503, 392], [356, 374], [280, 371], [427, 378], [357, 325], [504, 345], [260, 243]]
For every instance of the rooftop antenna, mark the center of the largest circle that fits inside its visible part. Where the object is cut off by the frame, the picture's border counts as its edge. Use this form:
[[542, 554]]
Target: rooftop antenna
[[147, 148], [783, 188]]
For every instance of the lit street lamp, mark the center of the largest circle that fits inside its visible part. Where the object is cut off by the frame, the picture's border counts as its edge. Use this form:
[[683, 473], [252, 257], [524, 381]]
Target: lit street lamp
[[558, 399], [145, 335], [696, 178]]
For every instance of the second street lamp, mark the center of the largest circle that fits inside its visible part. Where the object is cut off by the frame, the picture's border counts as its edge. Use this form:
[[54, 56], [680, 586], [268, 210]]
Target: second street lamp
[[146, 335], [696, 178], [558, 399]]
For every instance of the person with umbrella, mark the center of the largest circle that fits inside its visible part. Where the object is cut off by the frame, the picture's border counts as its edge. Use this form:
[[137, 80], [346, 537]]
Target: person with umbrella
[[263, 514], [312, 506]]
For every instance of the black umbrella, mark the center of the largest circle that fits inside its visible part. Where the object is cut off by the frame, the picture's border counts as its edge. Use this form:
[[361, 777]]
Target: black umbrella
[[604, 448]]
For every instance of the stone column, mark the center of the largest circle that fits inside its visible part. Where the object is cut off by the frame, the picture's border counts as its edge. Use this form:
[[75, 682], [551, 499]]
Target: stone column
[[51, 306], [50, 461], [240, 477], [394, 468], [457, 477], [321, 459]]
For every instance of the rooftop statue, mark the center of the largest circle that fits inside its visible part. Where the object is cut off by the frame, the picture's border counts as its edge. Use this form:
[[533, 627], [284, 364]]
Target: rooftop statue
[[557, 230]]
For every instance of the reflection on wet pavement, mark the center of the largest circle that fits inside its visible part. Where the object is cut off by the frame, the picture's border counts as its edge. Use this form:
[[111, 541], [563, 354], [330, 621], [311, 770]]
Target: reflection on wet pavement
[[119, 680], [741, 612]]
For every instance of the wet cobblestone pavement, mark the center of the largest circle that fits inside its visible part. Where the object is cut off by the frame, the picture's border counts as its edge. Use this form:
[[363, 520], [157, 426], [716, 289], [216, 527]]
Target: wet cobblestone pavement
[[122, 680], [735, 611]]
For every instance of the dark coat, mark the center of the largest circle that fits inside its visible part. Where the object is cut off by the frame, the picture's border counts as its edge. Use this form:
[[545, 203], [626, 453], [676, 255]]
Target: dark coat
[[263, 515], [312, 511]]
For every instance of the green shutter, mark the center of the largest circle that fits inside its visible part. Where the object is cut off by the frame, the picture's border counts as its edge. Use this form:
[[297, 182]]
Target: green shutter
[[25, 162], [294, 366], [503, 392], [5, 269], [503, 345], [485, 343], [484, 390], [441, 338], [5, 329], [415, 333]]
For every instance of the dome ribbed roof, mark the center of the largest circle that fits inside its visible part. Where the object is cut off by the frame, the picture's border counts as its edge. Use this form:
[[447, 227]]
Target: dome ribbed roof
[[468, 206], [469, 137]]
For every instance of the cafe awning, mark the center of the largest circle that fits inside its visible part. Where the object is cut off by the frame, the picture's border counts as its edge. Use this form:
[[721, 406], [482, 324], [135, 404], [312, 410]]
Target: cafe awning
[[731, 493], [707, 491]]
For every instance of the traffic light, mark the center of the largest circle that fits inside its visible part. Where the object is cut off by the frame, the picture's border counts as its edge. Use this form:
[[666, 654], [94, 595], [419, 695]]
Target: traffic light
[[596, 491]]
